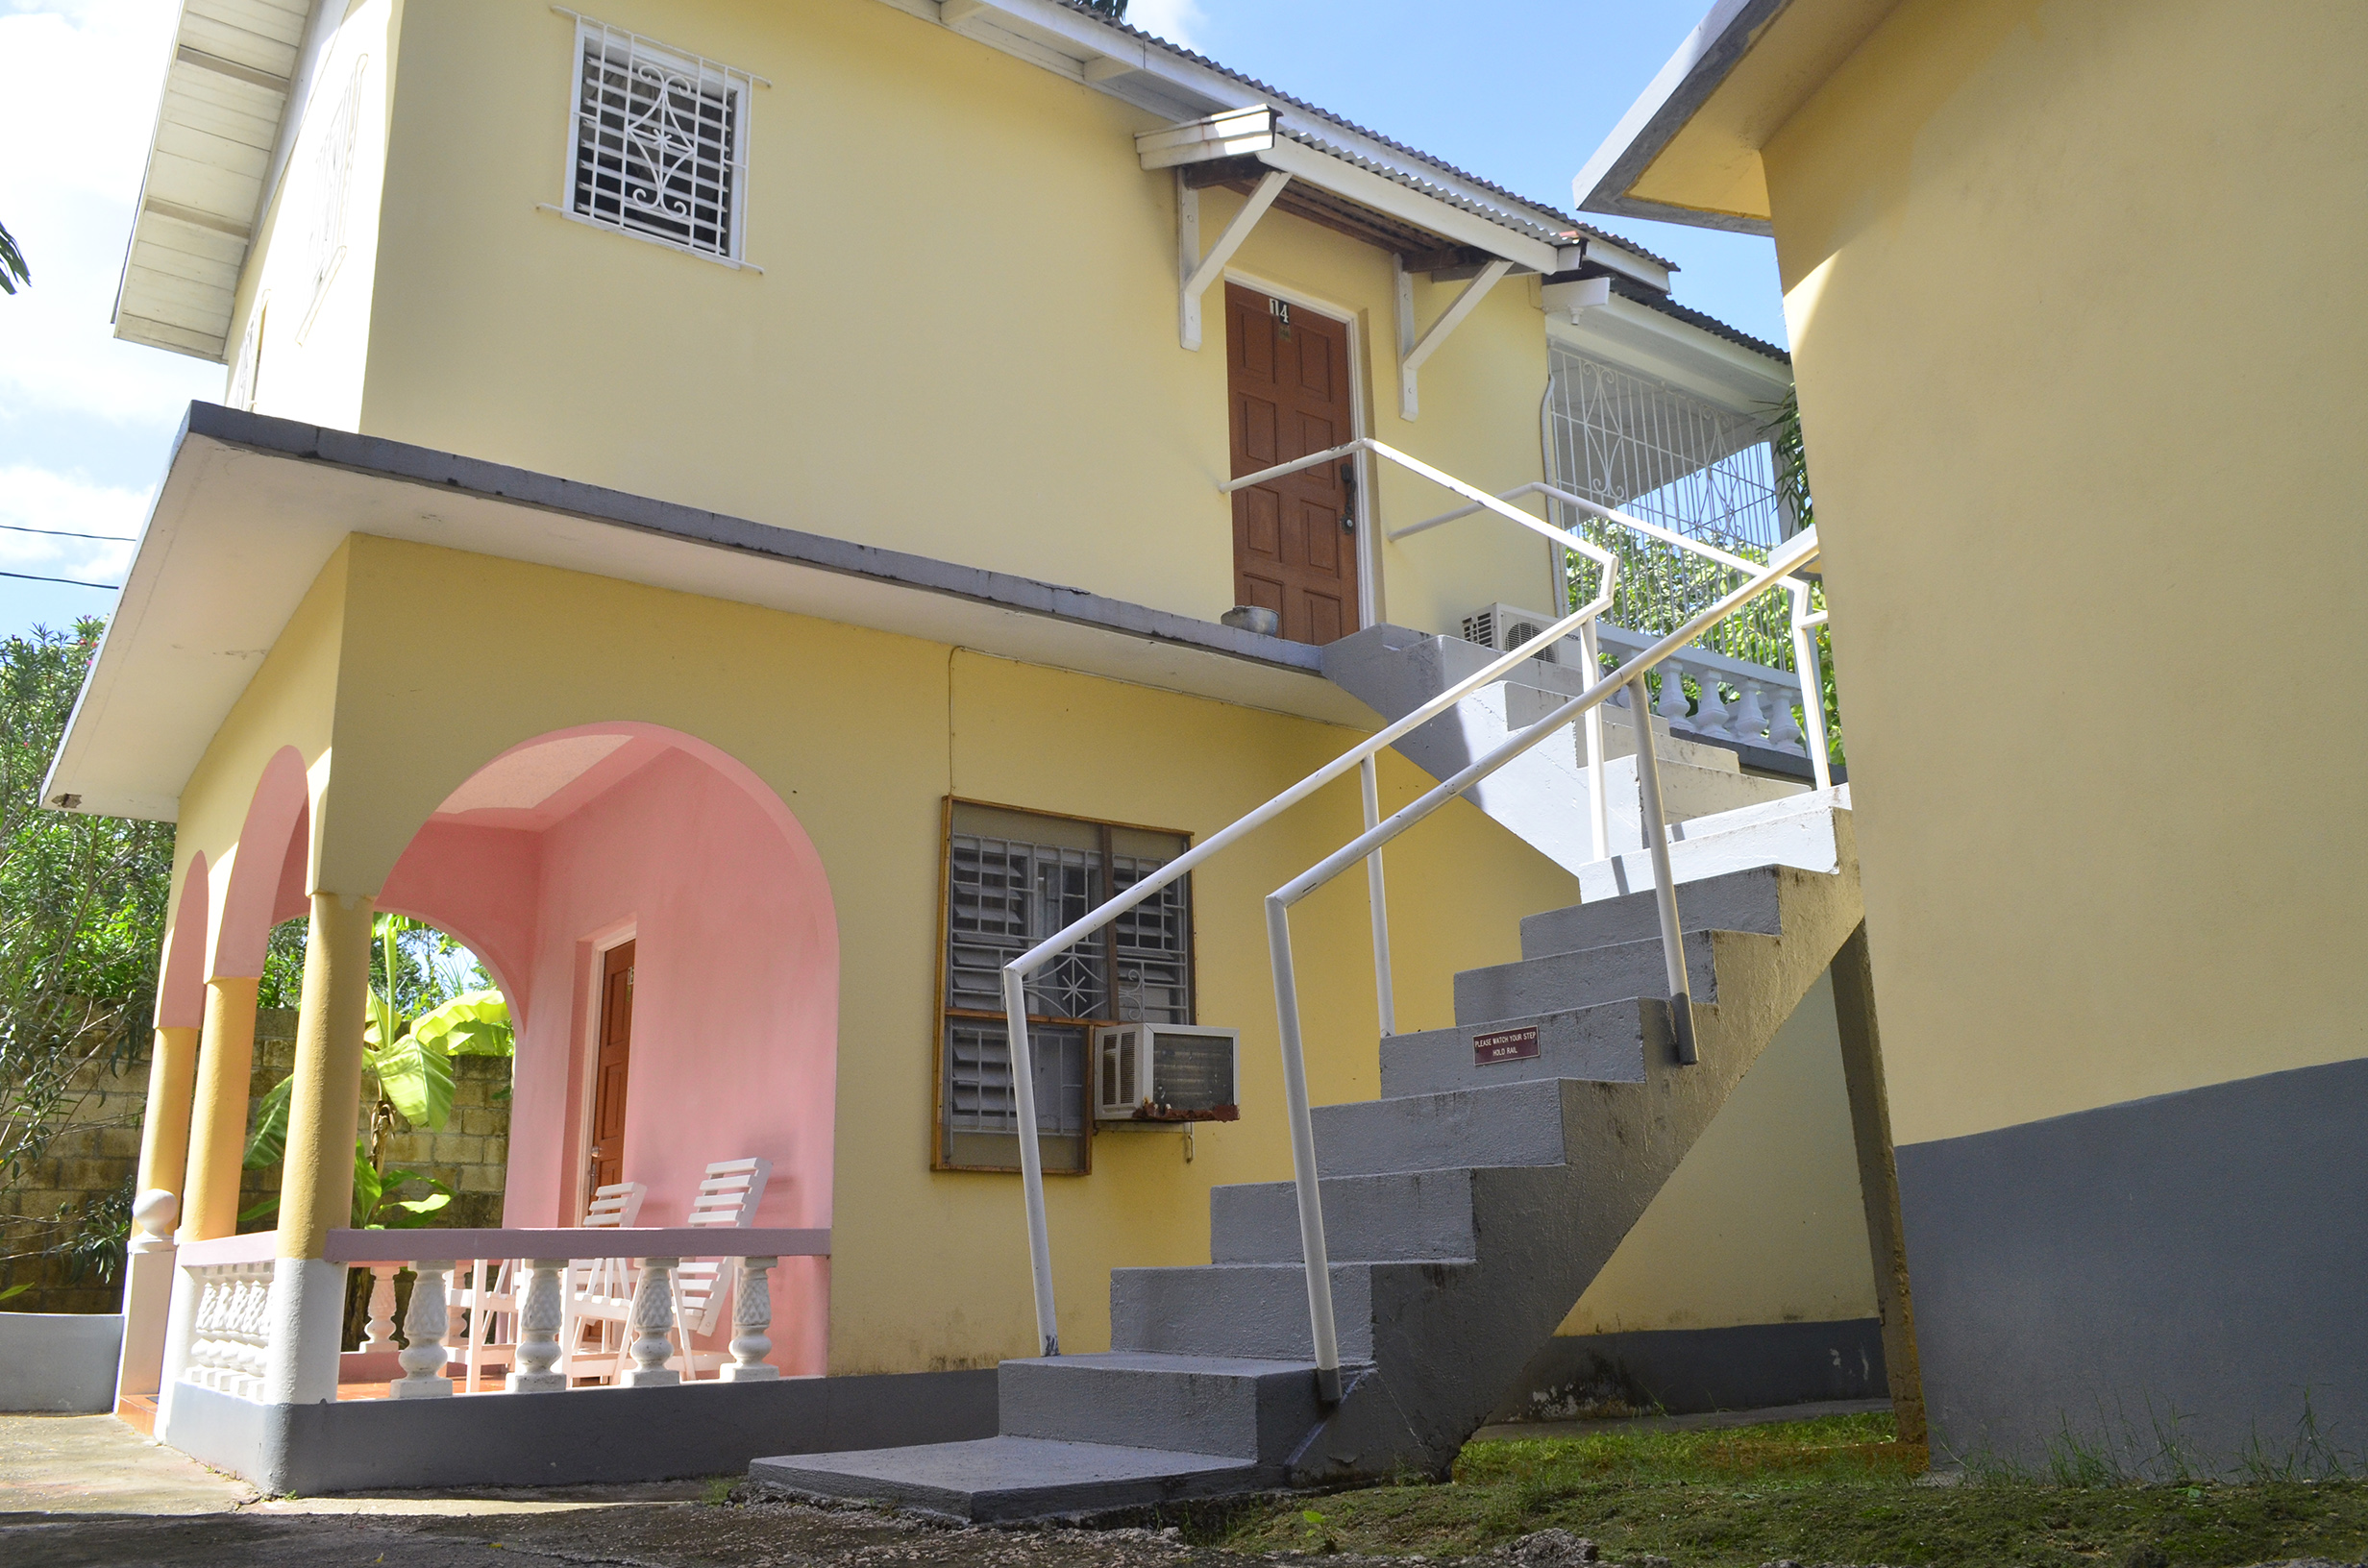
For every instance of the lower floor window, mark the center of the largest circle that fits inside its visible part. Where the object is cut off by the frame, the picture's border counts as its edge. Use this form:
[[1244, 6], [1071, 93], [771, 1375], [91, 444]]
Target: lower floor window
[[1012, 879]]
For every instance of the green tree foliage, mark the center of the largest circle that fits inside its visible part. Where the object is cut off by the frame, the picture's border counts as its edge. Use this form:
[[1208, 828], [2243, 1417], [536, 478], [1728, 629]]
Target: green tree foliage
[[429, 1003], [13, 268], [82, 918], [1115, 10]]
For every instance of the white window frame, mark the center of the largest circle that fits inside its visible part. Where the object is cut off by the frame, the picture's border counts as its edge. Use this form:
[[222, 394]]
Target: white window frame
[[737, 87]]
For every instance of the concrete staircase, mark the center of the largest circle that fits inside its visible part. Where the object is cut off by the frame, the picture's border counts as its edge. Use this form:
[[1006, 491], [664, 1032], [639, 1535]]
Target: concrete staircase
[[1542, 796], [1465, 1209]]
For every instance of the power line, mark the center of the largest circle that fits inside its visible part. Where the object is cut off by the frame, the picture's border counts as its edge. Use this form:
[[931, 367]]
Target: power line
[[76, 582], [68, 533]]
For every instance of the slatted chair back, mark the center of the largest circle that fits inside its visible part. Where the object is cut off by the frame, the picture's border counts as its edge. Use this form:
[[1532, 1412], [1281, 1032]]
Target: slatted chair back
[[728, 1197], [599, 1290]]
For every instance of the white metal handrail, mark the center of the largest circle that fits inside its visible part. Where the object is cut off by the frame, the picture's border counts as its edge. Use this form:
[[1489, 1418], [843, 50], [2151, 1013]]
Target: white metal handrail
[[1794, 553], [1804, 624], [1360, 756]]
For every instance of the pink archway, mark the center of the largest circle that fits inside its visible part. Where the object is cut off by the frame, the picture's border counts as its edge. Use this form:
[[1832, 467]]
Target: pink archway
[[574, 840], [181, 975], [268, 869]]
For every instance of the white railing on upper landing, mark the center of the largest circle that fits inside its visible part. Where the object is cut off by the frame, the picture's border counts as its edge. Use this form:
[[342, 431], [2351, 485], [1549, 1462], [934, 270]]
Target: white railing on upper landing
[[1710, 669], [227, 1345]]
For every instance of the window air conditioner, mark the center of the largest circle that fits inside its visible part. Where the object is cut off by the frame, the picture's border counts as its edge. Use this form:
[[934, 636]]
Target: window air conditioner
[[1506, 626], [1152, 1073]]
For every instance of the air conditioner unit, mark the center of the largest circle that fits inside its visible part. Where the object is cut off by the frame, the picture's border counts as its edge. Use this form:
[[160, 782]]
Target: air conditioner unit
[[1506, 626], [1164, 1073]]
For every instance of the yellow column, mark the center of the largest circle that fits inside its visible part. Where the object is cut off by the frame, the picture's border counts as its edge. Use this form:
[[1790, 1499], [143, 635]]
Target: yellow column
[[218, 1120], [316, 1184], [316, 1180], [164, 1132]]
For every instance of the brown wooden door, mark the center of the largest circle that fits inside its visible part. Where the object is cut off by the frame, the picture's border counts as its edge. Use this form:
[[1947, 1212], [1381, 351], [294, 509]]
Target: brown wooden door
[[615, 1053], [1295, 551]]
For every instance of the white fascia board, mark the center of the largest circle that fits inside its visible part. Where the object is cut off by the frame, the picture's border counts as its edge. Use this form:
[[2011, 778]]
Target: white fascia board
[[252, 509], [1638, 337]]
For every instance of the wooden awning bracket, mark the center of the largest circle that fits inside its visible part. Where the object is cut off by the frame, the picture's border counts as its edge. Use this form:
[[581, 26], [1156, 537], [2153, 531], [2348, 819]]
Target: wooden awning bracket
[[1199, 271], [1411, 351]]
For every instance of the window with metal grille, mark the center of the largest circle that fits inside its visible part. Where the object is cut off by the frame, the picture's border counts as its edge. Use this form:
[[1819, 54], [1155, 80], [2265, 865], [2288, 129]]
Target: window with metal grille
[[1012, 879], [662, 142]]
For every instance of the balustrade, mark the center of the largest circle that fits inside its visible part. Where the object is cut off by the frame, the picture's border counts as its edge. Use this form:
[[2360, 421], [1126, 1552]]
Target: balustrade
[[1763, 710], [458, 1310]]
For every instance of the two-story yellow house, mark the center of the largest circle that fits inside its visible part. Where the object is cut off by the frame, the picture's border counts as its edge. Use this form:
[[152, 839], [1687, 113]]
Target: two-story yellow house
[[732, 512]]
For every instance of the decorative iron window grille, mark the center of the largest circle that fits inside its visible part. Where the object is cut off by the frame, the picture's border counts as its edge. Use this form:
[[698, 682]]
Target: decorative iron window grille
[[333, 176], [662, 142], [1012, 879], [1661, 453]]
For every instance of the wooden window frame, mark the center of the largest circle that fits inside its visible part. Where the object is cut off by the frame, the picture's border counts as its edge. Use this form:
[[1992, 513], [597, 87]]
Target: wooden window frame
[[941, 1015]]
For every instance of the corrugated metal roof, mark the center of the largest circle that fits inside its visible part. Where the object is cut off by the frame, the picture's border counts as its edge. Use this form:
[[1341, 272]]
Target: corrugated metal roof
[[1545, 223], [1654, 299]]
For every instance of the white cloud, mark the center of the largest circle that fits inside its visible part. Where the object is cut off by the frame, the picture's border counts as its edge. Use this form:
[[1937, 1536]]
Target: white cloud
[[81, 80], [1171, 19], [35, 498]]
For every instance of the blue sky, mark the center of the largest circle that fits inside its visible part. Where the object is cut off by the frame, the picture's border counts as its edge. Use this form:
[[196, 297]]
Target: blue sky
[[1519, 91]]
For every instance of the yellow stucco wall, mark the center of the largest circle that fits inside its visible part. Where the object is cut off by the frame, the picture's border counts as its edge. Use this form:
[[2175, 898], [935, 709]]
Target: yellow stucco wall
[[1761, 1222], [962, 342], [291, 701], [446, 659], [2073, 297]]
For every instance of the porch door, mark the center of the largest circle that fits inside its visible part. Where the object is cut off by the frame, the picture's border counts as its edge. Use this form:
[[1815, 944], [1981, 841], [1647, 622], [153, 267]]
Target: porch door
[[614, 1052], [1294, 548]]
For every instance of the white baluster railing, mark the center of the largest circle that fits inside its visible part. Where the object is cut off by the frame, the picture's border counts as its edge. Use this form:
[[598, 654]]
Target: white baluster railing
[[227, 1345]]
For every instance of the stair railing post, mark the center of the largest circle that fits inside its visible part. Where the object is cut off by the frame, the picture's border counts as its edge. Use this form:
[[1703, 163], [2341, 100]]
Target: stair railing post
[[1664, 884], [1378, 896], [1322, 1331], [1031, 1160], [1812, 683], [1599, 805]]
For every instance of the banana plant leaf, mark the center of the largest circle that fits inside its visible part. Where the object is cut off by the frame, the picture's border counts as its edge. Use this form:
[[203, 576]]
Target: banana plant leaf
[[416, 1081], [473, 1023], [269, 1143]]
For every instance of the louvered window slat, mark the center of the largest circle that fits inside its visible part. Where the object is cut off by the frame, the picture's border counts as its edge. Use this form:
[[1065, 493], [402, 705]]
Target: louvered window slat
[[1006, 894]]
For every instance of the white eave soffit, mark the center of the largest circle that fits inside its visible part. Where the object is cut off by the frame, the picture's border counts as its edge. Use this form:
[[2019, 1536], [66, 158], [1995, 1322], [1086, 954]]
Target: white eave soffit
[[226, 92]]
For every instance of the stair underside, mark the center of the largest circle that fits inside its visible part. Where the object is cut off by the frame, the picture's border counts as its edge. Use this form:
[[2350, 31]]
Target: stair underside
[[993, 1480]]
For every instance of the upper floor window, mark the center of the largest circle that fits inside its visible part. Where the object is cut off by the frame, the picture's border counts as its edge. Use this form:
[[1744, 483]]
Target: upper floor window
[[1012, 879], [662, 142]]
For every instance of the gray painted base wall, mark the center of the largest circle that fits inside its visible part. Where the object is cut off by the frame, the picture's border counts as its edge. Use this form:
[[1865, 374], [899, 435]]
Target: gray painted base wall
[[58, 1362], [2196, 1262], [581, 1436], [1684, 1371]]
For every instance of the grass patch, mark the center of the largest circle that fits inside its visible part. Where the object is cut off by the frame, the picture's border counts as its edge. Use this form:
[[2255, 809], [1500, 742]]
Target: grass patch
[[1838, 1489]]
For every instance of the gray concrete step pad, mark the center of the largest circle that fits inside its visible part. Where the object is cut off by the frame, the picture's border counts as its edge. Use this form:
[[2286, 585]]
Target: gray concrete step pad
[[1249, 1409], [1401, 1217], [1603, 1044], [1737, 901], [1567, 981], [999, 1479], [1504, 1124]]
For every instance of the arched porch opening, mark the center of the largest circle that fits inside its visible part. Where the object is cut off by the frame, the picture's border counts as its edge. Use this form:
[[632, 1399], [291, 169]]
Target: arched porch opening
[[567, 845]]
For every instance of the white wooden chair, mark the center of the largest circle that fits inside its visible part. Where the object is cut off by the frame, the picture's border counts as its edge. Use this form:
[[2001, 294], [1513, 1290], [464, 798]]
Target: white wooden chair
[[705, 1288], [485, 1294], [600, 1292]]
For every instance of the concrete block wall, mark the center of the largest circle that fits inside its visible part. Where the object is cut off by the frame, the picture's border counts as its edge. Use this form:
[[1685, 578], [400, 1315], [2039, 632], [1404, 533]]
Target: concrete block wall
[[98, 1153]]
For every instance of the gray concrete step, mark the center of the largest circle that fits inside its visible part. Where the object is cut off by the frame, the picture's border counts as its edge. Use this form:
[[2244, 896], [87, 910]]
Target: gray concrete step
[[1567, 981], [995, 1479], [1251, 1310], [1737, 901], [1508, 1124], [1603, 1044], [1406, 1217], [1246, 1408]]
